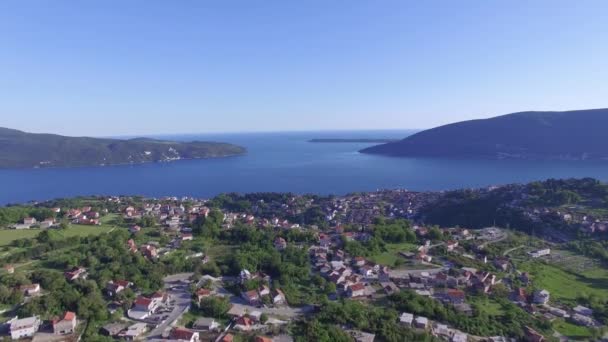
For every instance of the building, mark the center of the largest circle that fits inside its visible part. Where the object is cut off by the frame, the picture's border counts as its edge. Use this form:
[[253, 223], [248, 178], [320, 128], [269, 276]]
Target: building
[[115, 287], [134, 331], [541, 297], [278, 297], [112, 329], [280, 243], [356, 290], [76, 273], [205, 323], [421, 322], [30, 290], [540, 253], [406, 319], [24, 327], [582, 310], [252, 297], [183, 334], [66, 325]]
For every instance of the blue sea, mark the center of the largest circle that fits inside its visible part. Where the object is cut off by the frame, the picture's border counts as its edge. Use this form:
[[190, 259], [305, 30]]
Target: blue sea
[[283, 162]]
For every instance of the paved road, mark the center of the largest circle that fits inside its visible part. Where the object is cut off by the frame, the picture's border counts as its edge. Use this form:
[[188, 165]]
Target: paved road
[[283, 311], [406, 273], [181, 296]]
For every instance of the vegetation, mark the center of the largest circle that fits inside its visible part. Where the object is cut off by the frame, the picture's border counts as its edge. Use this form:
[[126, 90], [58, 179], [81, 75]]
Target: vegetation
[[525, 135], [22, 149]]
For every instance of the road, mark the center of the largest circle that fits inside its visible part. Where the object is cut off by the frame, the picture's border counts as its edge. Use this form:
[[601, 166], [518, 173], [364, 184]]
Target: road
[[181, 296], [406, 273], [283, 311]]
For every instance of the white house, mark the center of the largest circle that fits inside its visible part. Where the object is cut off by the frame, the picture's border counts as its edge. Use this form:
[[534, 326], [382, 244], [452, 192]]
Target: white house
[[24, 327], [541, 297], [406, 319]]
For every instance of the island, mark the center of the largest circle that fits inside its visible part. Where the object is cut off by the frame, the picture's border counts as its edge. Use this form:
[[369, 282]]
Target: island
[[29, 150], [569, 135], [351, 140]]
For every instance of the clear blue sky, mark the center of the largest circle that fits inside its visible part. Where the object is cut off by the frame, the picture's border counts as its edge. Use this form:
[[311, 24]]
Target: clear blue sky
[[145, 67]]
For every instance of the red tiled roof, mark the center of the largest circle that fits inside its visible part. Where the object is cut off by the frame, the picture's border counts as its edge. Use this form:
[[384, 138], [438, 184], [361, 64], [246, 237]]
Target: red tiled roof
[[69, 316], [357, 287], [143, 301], [181, 334]]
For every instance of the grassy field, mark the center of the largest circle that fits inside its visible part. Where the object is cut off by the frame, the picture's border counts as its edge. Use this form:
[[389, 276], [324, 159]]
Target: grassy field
[[390, 257], [9, 235], [487, 306], [572, 331], [566, 285]]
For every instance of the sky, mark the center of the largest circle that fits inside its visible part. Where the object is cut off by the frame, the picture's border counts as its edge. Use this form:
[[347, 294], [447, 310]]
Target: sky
[[117, 67]]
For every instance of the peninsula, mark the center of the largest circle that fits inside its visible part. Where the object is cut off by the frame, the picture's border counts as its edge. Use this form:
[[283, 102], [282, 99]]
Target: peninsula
[[570, 135], [29, 150], [351, 140]]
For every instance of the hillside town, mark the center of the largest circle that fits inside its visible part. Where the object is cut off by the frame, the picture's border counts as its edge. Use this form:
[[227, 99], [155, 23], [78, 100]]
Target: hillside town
[[265, 267]]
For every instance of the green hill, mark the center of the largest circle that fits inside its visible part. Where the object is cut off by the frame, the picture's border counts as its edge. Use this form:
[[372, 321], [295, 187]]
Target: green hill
[[571, 135], [24, 150]]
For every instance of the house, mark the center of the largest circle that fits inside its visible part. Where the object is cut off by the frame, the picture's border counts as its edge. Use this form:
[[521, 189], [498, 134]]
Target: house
[[359, 261], [541, 297], [145, 306], [132, 246], [187, 237], [29, 221], [459, 337], [115, 287], [134, 229], [24, 327], [76, 273], [48, 223], [582, 310], [243, 323], [361, 336], [252, 297], [262, 339], [66, 325], [264, 291], [519, 296], [112, 329], [451, 245], [149, 251], [532, 335], [441, 330], [202, 293], [454, 296], [421, 322], [134, 331], [280, 243], [406, 319], [278, 297], [356, 290], [502, 264], [245, 275], [30, 290], [183, 334], [207, 324], [540, 253], [10, 269], [582, 320], [227, 338]]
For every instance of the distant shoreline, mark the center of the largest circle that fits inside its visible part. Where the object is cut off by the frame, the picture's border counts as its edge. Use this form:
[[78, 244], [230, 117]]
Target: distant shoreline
[[351, 140]]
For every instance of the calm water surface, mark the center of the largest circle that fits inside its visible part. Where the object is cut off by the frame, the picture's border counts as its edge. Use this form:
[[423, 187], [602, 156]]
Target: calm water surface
[[284, 162]]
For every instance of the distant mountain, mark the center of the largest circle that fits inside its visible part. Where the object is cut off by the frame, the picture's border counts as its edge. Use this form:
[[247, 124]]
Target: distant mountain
[[571, 135], [24, 150]]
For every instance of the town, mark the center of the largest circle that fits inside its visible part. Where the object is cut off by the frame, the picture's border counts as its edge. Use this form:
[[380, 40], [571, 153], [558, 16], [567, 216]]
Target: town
[[284, 267]]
